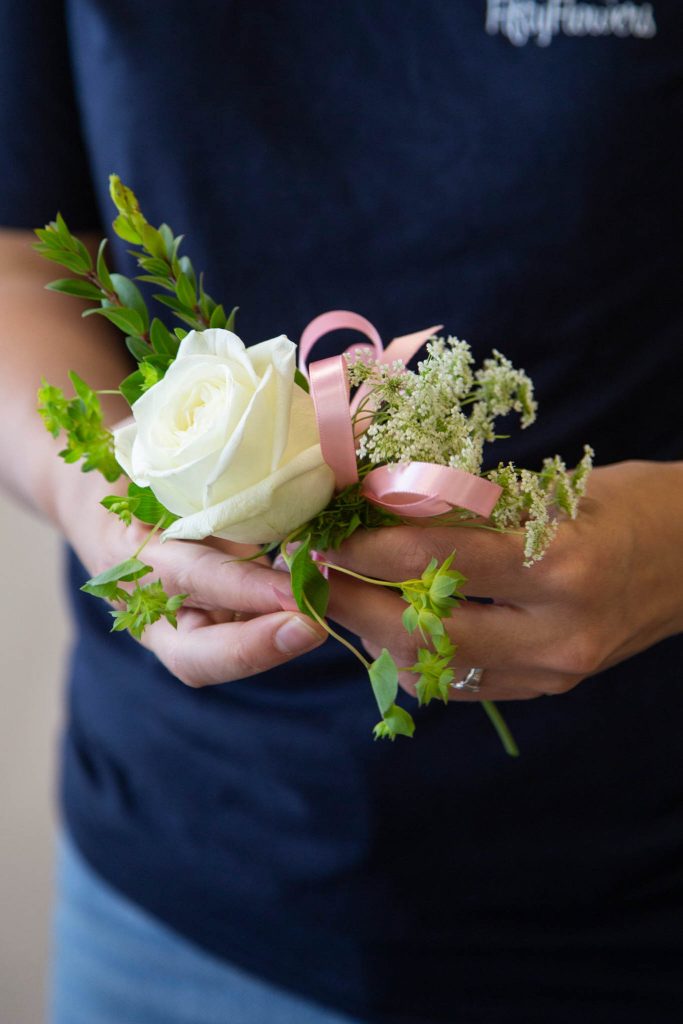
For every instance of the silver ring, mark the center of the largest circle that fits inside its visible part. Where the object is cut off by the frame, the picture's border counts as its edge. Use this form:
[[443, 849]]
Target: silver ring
[[471, 681]]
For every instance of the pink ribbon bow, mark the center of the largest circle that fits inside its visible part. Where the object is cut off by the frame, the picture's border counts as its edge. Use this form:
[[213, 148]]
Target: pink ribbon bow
[[416, 489]]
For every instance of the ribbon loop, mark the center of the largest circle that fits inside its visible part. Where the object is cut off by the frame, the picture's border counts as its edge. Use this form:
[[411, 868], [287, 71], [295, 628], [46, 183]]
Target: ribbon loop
[[335, 320], [420, 489], [417, 489], [330, 394]]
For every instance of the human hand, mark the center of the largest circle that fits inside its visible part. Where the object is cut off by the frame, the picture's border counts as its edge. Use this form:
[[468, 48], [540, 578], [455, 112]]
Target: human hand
[[610, 585], [232, 624]]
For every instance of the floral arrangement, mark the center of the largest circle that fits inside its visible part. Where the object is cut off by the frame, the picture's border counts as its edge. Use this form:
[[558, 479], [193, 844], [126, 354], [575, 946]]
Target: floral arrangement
[[239, 443]]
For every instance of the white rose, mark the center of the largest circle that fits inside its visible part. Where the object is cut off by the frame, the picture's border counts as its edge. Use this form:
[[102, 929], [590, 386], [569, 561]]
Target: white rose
[[228, 442]]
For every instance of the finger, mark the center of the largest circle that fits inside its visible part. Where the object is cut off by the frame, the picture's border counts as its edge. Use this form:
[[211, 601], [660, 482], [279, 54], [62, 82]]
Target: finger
[[491, 562], [494, 635], [494, 685], [202, 652], [503, 637], [212, 579]]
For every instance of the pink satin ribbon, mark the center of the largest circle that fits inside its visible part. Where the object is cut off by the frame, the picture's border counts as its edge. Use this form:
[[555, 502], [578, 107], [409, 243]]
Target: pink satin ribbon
[[417, 489]]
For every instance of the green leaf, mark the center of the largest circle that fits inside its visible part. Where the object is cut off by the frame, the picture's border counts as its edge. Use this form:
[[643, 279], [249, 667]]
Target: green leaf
[[162, 282], [70, 260], [70, 286], [409, 619], [151, 375], [152, 241], [125, 230], [185, 265], [131, 297], [145, 605], [397, 722], [132, 387], [62, 230], [127, 320], [307, 582], [299, 379], [102, 269], [162, 339], [429, 623], [428, 574], [53, 407], [218, 317], [157, 267], [185, 292], [137, 348], [167, 236], [105, 585], [140, 503], [230, 322], [81, 419], [442, 587], [384, 679], [83, 252], [176, 305], [49, 238], [148, 508], [121, 506]]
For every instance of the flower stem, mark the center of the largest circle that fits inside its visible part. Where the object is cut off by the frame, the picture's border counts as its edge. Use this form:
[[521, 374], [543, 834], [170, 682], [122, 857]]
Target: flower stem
[[148, 538], [326, 626], [500, 725], [365, 579]]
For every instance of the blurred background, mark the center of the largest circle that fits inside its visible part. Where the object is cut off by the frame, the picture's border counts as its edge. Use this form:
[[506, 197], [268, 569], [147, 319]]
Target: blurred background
[[34, 636]]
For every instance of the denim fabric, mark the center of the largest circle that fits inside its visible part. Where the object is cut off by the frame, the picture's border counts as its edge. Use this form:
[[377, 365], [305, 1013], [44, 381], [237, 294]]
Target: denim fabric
[[115, 964]]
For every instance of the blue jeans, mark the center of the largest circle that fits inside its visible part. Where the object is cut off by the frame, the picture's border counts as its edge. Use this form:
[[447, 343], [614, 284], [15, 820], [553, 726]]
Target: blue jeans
[[115, 964]]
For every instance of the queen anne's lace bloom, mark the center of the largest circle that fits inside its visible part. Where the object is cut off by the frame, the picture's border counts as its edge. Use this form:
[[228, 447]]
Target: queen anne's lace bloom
[[445, 413]]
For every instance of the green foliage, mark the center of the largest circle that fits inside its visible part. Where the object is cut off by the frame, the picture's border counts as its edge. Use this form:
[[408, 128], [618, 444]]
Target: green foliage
[[143, 605], [347, 512], [301, 381], [309, 586], [396, 721], [139, 503], [434, 671], [56, 243], [81, 419], [432, 598], [127, 320], [72, 286], [130, 297], [119, 299], [107, 584]]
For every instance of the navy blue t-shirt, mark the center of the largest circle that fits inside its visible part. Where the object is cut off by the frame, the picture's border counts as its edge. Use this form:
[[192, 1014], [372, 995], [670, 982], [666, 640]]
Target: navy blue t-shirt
[[512, 170]]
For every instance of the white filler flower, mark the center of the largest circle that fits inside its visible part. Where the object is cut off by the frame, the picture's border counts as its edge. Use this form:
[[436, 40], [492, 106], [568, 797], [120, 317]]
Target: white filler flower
[[228, 442]]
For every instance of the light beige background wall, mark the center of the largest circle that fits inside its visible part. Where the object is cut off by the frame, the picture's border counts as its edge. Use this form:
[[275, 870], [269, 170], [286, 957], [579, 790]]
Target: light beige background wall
[[33, 641]]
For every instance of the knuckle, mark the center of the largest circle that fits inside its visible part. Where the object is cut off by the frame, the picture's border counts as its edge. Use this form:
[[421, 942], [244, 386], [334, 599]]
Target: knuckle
[[578, 655], [557, 685], [189, 577], [569, 574], [245, 660], [412, 550], [176, 662]]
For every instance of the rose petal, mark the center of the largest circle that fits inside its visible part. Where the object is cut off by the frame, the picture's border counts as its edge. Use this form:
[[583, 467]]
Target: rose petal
[[270, 509]]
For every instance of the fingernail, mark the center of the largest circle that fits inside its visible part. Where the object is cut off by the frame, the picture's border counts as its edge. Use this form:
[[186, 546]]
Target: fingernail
[[285, 600], [280, 565], [296, 636]]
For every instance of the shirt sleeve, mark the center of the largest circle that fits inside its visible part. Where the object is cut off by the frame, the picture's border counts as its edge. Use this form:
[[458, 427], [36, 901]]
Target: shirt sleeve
[[43, 164]]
